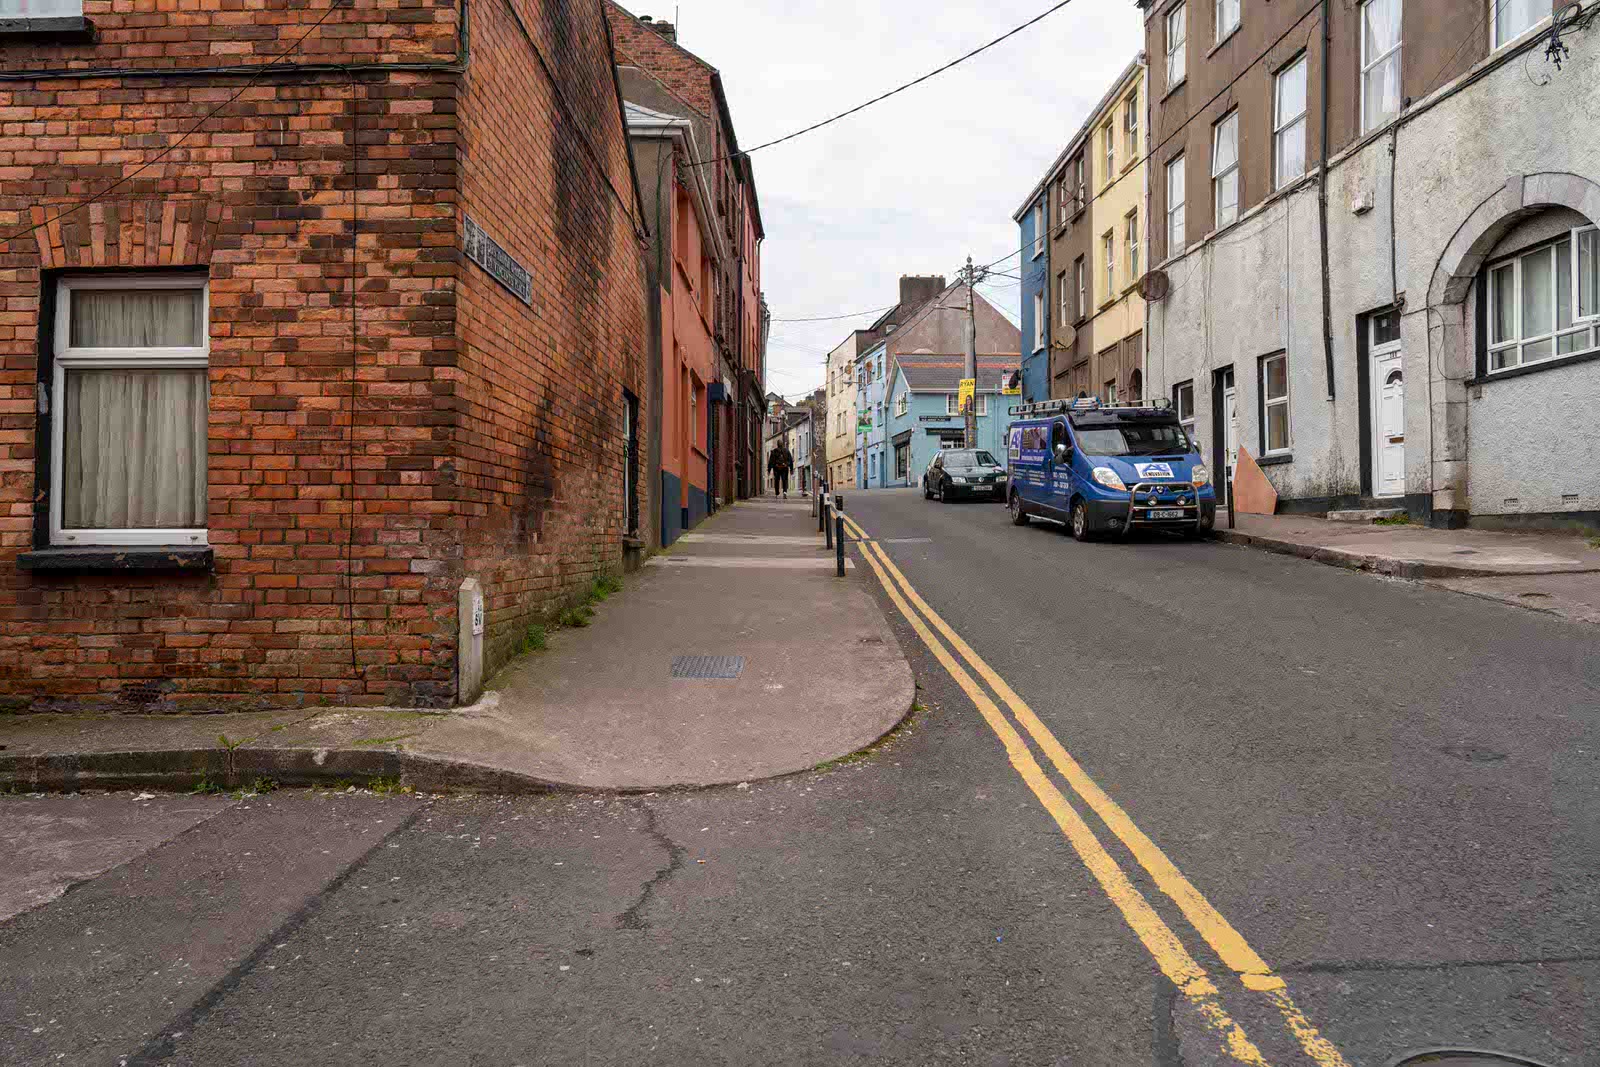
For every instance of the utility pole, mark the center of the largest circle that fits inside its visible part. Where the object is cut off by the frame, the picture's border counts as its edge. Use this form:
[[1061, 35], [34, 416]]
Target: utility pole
[[971, 275]]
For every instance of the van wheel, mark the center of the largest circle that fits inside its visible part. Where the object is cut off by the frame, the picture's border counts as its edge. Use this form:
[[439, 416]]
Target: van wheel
[[1080, 521], [1018, 516]]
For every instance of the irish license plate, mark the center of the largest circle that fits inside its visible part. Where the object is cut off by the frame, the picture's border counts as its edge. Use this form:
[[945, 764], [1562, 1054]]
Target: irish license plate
[[1167, 513]]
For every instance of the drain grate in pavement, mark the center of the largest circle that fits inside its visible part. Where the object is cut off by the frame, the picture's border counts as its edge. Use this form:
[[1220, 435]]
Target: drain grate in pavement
[[707, 666], [907, 540]]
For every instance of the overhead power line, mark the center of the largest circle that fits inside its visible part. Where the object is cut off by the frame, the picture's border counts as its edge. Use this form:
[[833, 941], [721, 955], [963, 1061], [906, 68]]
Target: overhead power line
[[834, 318], [899, 88]]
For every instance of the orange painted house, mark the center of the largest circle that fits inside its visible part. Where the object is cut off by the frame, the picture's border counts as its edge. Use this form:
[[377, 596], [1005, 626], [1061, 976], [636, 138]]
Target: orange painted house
[[682, 285]]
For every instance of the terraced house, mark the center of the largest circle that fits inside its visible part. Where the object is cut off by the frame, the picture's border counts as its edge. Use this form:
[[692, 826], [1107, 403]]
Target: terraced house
[[1375, 250], [324, 350]]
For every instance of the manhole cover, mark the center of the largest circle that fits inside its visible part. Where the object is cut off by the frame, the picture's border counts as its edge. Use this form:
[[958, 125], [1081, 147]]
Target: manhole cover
[[1472, 754], [707, 666]]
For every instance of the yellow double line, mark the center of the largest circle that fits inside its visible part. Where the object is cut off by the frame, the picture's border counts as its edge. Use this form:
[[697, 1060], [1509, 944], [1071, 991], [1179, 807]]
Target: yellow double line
[[1158, 938]]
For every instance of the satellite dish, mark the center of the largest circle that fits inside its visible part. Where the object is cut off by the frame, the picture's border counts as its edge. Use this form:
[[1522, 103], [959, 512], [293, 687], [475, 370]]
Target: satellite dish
[[1155, 285], [1064, 337]]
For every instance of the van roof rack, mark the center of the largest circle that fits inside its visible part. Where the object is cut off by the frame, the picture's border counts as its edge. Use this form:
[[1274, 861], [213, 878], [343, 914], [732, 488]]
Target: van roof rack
[[1087, 403]]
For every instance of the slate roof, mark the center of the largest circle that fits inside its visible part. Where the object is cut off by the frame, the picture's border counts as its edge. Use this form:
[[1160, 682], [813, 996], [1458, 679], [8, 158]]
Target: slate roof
[[942, 373]]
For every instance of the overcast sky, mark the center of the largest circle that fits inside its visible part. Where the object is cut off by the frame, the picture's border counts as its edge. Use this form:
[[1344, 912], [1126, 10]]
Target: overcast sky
[[914, 184]]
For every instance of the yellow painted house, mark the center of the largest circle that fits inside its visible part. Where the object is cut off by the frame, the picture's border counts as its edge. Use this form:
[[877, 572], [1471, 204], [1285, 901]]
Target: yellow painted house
[[1119, 141]]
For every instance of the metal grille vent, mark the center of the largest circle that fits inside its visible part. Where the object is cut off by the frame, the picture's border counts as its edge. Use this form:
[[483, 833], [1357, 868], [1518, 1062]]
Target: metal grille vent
[[707, 666]]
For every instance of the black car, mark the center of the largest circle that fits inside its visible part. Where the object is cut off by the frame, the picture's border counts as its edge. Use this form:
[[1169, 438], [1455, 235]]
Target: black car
[[964, 472]]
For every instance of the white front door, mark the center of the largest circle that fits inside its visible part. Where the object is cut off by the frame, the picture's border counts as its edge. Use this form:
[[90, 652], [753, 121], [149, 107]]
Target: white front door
[[1230, 406], [1389, 451], [1388, 407]]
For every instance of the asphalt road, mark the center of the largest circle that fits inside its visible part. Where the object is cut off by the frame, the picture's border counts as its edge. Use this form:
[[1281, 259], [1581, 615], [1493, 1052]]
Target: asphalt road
[[1389, 791]]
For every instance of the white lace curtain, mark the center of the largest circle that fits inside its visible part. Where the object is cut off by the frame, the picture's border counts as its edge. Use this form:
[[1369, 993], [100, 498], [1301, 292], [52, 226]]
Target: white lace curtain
[[135, 439]]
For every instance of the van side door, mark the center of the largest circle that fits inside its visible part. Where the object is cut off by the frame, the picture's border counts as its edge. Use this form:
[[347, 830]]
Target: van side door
[[1058, 473]]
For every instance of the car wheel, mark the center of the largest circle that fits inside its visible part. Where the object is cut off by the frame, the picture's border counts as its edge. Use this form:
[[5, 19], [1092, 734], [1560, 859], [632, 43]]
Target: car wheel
[[925, 494], [939, 491], [1080, 521], [1018, 516]]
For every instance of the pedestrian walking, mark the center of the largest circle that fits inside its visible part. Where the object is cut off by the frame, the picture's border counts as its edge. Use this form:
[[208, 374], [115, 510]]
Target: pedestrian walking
[[780, 463]]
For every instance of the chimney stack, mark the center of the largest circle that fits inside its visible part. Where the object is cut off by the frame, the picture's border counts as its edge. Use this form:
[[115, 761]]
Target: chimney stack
[[665, 29], [918, 289]]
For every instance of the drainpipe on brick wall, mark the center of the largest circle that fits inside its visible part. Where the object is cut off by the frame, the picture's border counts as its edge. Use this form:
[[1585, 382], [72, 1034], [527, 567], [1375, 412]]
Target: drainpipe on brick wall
[[1322, 209]]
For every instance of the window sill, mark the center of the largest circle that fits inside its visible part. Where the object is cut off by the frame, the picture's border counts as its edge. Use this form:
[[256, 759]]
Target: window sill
[[1490, 377], [1276, 459], [1228, 37], [119, 558], [1174, 87], [67, 28]]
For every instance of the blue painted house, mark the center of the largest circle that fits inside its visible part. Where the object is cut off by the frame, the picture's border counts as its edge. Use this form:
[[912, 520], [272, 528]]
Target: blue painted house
[[1034, 231], [872, 369], [923, 416]]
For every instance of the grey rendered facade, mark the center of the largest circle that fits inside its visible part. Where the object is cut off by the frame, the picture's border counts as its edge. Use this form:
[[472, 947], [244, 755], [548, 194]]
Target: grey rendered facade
[[1500, 161]]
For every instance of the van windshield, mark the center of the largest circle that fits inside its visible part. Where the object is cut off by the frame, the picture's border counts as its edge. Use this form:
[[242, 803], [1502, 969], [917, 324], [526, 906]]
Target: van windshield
[[1133, 439]]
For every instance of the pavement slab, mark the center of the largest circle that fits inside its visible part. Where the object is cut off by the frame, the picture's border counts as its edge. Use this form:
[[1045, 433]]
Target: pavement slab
[[1409, 551]]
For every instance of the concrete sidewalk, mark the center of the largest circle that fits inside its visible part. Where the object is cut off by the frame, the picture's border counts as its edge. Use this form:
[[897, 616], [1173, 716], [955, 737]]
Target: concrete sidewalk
[[1554, 573], [1413, 551], [813, 673]]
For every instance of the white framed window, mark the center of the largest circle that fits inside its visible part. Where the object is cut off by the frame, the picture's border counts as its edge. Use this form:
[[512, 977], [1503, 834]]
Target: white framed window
[[130, 396], [980, 403], [1038, 229], [1380, 62], [1063, 306], [1177, 45], [1175, 217], [1077, 178], [902, 403], [1111, 391], [1131, 242], [1108, 248], [1081, 270], [1275, 404], [1109, 136], [1227, 17], [1063, 208], [1225, 169], [1289, 123], [1130, 126], [1183, 401], [1545, 302], [1513, 18], [1038, 321]]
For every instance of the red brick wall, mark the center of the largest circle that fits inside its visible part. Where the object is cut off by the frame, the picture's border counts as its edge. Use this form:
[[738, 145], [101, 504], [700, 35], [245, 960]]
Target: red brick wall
[[540, 390], [485, 440]]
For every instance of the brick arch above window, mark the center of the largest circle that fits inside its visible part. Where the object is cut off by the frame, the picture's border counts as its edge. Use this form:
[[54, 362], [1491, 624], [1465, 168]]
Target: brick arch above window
[[1521, 197], [155, 232]]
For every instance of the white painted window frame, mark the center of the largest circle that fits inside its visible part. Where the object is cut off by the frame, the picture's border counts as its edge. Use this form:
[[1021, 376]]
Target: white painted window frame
[[1109, 133], [1063, 307], [1283, 124], [1130, 231], [1039, 313], [1080, 269], [1177, 215], [1369, 63], [66, 357], [1495, 44], [901, 404], [1108, 245], [1177, 51], [1580, 323], [1220, 9], [1187, 422], [1130, 124], [1039, 222], [1232, 170], [1270, 402]]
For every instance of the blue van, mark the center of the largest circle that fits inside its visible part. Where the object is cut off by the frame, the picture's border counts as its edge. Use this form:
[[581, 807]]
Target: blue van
[[1107, 468]]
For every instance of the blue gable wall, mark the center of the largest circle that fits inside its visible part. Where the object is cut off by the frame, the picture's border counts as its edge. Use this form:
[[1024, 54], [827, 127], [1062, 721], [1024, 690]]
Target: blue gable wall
[[927, 421], [1035, 279], [872, 459]]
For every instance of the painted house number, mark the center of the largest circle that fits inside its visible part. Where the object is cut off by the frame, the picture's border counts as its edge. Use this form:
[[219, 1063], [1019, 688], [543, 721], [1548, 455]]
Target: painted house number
[[477, 615]]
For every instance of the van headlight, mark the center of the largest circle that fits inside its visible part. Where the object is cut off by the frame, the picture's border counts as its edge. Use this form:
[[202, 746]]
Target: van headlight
[[1200, 475], [1108, 478]]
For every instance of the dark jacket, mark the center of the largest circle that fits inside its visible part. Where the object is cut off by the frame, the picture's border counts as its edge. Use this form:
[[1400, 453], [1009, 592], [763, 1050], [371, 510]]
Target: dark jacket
[[780, 460]]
